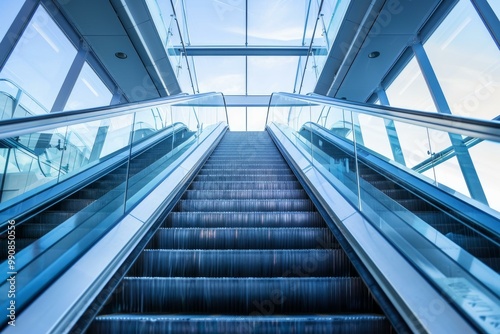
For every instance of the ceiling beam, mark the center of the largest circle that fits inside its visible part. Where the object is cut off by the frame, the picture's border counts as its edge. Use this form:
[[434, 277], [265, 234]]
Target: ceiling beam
[[247, 51]]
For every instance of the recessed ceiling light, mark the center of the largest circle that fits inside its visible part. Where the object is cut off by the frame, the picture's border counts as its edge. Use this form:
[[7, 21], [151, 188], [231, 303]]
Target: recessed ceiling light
[[373, 54], [120, 55]]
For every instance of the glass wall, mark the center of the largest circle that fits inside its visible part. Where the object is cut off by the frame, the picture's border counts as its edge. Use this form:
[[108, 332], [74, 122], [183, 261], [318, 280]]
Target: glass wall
[[39, 65], [466, 61], [9, 11], [41, 59], [89, 91], [409, 90]]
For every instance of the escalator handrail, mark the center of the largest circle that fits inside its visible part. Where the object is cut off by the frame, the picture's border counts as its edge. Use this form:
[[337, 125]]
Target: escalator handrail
[[474, 127], [37, 123]]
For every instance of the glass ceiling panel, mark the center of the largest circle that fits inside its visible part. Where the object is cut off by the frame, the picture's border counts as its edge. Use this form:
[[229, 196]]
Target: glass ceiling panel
[[271, 74], [277, 22], [216, 22], [221, 74]]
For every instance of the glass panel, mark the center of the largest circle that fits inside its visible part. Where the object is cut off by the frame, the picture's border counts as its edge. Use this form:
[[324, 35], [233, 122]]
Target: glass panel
[[10, 9], [218, 74], [222, 22], [486, 157], [157, 143], [470, 90], [409, 90], [89, 91], [263, 71], [375, 135], [439, 238], [41, 59], [80, 176], [276, 22]]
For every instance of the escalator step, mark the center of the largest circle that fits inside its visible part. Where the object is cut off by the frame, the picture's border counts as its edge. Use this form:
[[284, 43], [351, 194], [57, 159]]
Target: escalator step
[[244, 171], [259, 323], [252, 178], [72, 205], [230, 295], [243, 263], [251, 166], [243, 238], [245, 205], [244, 185], [244, 219], [245, 194]]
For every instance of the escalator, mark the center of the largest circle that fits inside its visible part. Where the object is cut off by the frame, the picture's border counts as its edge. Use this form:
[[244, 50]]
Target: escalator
[[407, 199], [243, 251]]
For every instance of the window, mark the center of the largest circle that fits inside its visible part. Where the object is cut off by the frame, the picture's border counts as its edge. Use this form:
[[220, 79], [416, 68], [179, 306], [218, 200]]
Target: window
[[41, 59], [466, 61], [10, 9], [89, 91], [409, 90]]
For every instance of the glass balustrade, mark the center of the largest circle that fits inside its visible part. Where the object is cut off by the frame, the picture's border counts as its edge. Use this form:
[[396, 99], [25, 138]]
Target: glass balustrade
[[427, 182], [68, 177]]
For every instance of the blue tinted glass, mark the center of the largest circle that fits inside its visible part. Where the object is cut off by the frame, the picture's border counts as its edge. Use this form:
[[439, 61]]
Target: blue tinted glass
[[89, 91], [41, 59], [8, 11]]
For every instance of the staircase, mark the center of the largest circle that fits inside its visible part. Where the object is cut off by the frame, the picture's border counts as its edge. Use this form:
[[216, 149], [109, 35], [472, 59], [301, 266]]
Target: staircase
[[244, 251]]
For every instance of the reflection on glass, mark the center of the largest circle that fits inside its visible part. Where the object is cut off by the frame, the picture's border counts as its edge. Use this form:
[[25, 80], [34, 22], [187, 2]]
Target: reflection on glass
[[10, 9], [409, 90], [41, 59], [470, 90], [89, 91]]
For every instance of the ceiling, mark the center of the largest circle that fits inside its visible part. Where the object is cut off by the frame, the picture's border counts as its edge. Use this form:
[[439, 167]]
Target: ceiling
[[249, 47]]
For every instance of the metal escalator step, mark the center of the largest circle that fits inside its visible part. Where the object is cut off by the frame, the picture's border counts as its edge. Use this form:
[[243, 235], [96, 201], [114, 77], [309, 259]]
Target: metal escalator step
[[397, 194], [244, 185], [73, 205], [30, 230], [416, 205], [245, 194], [243, 238], [91, 193], [475, 244], [49, 216], [251, 166], [259, 323], [245, 205], [440, 221], [243, 263], [244, 219], [252, 178], [230, 295], [245, 171]]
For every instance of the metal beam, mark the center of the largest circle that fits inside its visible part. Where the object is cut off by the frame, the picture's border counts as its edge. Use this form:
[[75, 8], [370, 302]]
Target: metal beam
[[246, 51]]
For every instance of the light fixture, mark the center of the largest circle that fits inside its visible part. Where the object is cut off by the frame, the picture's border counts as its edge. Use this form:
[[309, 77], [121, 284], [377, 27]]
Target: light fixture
[[373, 54], [120, 55]]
